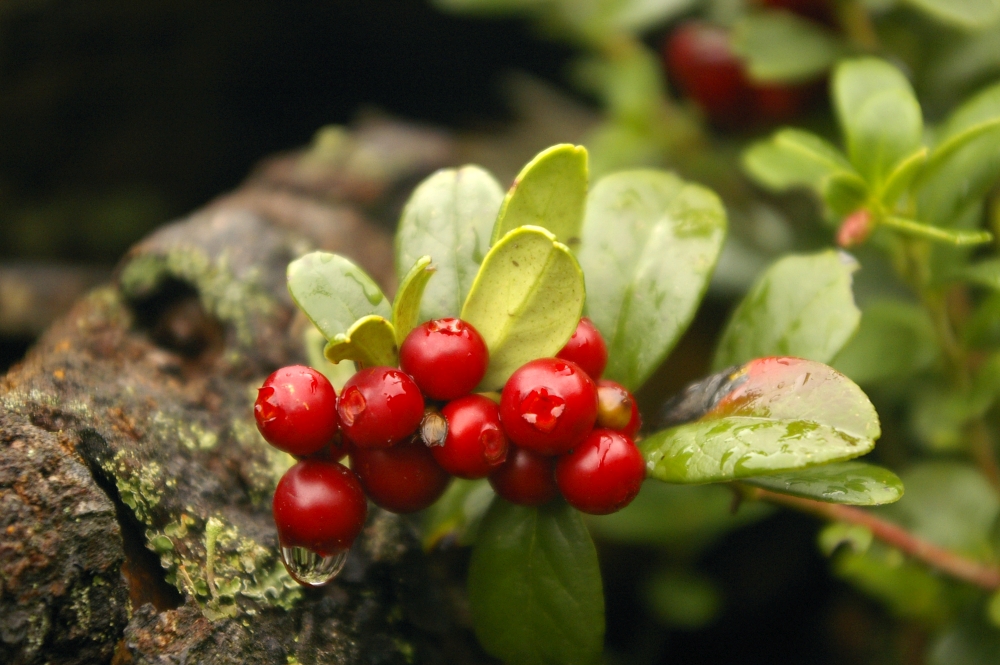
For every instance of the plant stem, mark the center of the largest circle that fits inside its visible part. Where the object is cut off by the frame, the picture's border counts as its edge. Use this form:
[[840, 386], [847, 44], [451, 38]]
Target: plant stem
[[946, 561]]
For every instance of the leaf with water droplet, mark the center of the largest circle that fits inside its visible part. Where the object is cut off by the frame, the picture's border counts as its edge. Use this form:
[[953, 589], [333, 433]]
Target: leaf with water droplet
[[449, 217], [370, 342], [853, 483], [406, 306], [781, 414], [334, 293], [526, 301]]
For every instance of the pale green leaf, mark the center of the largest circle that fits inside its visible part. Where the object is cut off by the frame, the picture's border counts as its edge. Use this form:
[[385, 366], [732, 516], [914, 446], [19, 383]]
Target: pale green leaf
[[780, 47], [371, 342], [406, 306], [795, 158], [963, 13]]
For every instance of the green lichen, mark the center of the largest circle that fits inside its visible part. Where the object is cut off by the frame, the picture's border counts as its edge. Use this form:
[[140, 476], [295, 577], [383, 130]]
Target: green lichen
[[191, 435], [138, 484], [265, 464]]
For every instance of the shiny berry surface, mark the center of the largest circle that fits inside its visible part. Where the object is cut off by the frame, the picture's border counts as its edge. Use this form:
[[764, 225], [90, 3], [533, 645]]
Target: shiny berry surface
[[617, 409], [526, 478], [548, 406], [446, 357], [320, 506], [476, 444], [296, 410], [603, 474], [587, 349], [401, 479], [379, 407]]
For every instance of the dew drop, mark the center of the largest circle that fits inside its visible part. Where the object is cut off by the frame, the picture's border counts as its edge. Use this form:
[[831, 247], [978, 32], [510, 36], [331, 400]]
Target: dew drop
[[309, 568]]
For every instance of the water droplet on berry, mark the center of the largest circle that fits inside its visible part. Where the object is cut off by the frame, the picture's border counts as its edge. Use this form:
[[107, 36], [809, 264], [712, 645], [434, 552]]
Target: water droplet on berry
[[352, 405], [542, 410], [309, 568]]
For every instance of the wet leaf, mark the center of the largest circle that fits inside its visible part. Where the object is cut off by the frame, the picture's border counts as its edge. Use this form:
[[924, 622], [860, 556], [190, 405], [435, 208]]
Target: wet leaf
[[650, 242], [371, 342], [535, 586], [550, 192], [785, 414], [854, 483], [406, 306], [449, 217], [334, 293], [525, 302]]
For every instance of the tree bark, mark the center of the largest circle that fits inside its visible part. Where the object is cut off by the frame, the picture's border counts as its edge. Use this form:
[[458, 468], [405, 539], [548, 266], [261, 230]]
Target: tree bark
[[135, 491]]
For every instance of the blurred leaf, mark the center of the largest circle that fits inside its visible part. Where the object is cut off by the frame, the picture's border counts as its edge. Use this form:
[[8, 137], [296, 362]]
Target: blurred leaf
[[640, 15], [853, 483], [526, 301], [650, 242], [902, 176], [914, 229], [631, 86], [786, 414], [371, 341], [984, 273], [681, 598], [964, 13], [406, 305], [795, 158], [781, 47], [801, 306], [489, 7], [982, 330], [839, 534], [334, 293], [895, 340], [449, 217], [550, 192], [969, 641], [535, 586], [878, 114], [457, 513], [315, 343], [845, 193]]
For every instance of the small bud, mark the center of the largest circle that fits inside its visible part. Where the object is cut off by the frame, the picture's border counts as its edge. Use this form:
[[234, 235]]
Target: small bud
[[855, 228], [614, 406]]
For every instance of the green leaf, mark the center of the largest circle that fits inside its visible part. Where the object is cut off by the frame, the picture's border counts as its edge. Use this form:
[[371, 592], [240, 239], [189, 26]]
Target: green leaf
[[845, 193], [526, 301], [783, 414], [795, 158], [334, 293], [680, 598], [969, 641], [650, 242], [457, 513], [964, 13], [449, 217], [640, 15], [406, 306], [894, 341], [801, 306], [902, 176], [878, 114], [535, 586], [550, 192], [338, 375], [956, 237], [853, 483], [780, 47], [371, 342], [984, 273]]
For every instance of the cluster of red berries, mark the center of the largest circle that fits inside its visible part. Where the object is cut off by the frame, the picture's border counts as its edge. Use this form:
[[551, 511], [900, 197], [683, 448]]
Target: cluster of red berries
[[555, 428]]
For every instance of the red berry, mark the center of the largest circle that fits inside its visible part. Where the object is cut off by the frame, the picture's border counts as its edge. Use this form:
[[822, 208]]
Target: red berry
[[446, 357], [402, 479], [296, 410], [603, 474], [476, 444], [587, 349], [617, 409], [526, 478], [380, 407], [548, 406], [320, 506]]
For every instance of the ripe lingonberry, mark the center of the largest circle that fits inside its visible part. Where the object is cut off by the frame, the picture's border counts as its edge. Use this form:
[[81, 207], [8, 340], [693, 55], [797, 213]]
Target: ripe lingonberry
[[296, 410], [401, 479], [587, 349], [617, 409], [320, 506], [446, 357], [379, 407], [603, 474], [526, 478], [548, 406], [476, 444]]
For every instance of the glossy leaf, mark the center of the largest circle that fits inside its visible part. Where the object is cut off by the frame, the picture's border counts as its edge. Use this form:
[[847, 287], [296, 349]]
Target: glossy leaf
[[525, 302], [782, 414], [795, 158], [879, 116], [406, 306], [535, 586], [550, 192], [334, 293], [801, 306], [853, 483], [965, 13], [458, 513], [894, 341], [449, 217], [781, 47], [650, 242], [371, 342]]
